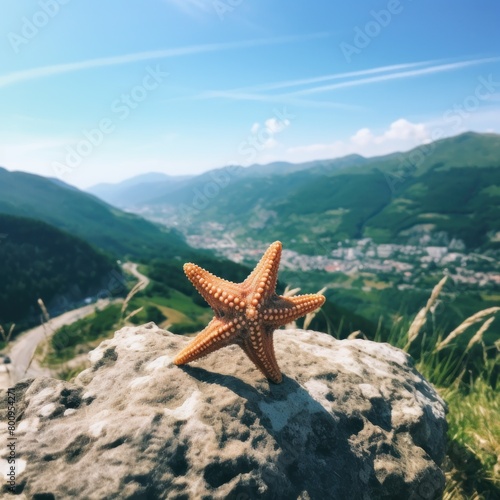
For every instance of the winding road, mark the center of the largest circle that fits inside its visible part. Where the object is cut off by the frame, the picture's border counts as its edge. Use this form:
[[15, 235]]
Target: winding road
[[131, 267], [23, 348]]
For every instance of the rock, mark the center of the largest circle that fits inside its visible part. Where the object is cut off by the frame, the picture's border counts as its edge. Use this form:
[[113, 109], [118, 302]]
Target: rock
[[352, 419]]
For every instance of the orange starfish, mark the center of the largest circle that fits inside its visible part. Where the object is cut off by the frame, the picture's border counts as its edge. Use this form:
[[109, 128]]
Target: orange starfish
[[246, 314]]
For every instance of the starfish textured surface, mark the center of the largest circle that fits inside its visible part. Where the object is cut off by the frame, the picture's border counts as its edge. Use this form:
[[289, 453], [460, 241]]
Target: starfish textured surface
[[246, 314]]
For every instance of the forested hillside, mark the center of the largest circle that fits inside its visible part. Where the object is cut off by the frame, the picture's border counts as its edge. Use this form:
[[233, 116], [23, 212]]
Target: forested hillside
[[451, 186], [85, 216], [40, 261]]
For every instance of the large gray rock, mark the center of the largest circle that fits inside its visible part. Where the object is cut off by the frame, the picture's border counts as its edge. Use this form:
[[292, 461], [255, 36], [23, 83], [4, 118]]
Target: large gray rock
[[352, 420]]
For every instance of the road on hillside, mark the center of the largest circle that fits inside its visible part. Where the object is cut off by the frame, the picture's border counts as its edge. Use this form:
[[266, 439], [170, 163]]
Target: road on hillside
[[23, 348], [131, 267]]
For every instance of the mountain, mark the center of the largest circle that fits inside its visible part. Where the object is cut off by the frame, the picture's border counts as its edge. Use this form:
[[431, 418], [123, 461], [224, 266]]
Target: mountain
[[63, 184], [42, 225], [85, 216], [40, 261], [132, 181], [285, 168], [156, 188], [450, 187], [136, 190]]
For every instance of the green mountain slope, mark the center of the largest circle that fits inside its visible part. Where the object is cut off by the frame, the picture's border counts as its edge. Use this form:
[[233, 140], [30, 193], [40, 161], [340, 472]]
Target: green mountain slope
[[45, 257], [154, 188], [40, 261], [464, 204], [85, 216], [451, 186]]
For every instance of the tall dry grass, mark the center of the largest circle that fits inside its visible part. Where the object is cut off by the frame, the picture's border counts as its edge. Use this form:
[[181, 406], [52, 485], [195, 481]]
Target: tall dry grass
[[290, 292], [421, 317], [465, 378], [7, 336], [133, 292], [471, 320]]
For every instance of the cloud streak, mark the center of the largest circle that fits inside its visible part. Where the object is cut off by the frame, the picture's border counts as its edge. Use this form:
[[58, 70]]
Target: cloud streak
[[57, 69], [397, 75], [285, 99], [335, 76], [393, 72]]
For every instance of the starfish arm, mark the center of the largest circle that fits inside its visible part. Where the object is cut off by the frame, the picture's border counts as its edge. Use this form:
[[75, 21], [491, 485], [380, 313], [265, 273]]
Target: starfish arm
[[262, 280], [216, 335], [261, 353], [219, 293], [287, 309], [246, 313]]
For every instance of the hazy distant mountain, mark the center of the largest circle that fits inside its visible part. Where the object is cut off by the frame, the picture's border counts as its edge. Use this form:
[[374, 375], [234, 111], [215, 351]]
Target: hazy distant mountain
[[156, 188], [85, 216], [136, 190], [132, 181], [450, 186]]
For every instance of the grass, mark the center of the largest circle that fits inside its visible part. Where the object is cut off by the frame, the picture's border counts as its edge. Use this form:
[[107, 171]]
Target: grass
[[5, 337], [178, 313], [462, 362], [464, 368], [72, 340], [474, 442]]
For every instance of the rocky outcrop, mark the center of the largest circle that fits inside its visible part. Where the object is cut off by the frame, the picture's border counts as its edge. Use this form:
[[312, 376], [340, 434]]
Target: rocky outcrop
[[352, 419]]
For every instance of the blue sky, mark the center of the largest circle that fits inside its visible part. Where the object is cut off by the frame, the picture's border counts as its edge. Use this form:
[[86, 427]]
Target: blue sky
[[99, 91]]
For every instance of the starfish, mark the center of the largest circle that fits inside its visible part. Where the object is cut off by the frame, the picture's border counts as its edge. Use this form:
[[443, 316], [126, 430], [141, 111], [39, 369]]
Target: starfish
[[246, 314]]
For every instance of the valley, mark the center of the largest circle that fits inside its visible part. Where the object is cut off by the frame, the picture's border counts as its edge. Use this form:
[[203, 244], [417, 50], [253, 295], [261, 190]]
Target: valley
[[447, 190], [273, 224], [378, 232], [376, 241], [399, 264]]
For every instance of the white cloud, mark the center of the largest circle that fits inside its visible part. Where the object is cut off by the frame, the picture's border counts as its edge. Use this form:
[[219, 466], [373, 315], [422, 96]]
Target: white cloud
[[275, 125], [265, 134], [271, 143], [362, 137], [401, 131], [401, 135]]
